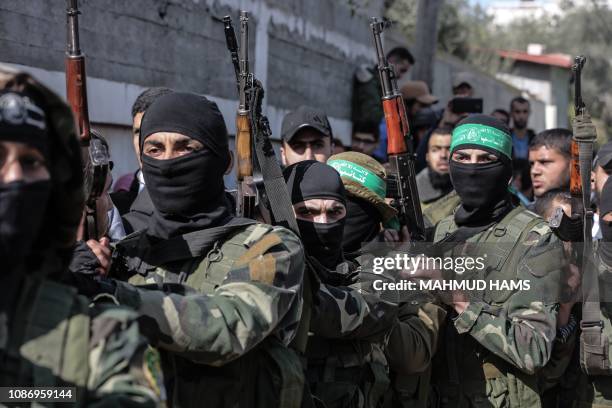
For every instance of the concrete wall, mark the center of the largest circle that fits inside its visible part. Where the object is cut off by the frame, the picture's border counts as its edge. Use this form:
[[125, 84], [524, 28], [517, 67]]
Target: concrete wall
[[303, 51]]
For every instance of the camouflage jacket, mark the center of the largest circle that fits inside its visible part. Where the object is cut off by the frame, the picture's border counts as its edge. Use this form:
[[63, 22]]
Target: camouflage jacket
[[59, 340], [351, 312], [259, 294], [495, 346]]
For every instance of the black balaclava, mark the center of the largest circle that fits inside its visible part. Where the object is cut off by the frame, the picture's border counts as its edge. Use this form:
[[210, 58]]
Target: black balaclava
[[482, 188], [310, 180], [187, 191], [605, 245], [362, 224], [21, 220]]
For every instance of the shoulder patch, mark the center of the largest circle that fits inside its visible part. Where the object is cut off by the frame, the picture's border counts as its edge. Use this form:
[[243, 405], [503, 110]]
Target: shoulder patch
[[263, 269], [259, 248], [153, 372]]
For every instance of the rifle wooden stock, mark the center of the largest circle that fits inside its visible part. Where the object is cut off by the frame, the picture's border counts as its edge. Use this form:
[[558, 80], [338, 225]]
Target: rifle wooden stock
[[76, 92], [397, 124], [244, 151], [244, 167], [575, 182]]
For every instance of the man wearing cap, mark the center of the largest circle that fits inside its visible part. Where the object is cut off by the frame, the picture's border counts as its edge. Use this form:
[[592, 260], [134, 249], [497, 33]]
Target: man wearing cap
[[496, 340], [462, 86], [306, 135], [221, 296], [421, 118], [49, 335]]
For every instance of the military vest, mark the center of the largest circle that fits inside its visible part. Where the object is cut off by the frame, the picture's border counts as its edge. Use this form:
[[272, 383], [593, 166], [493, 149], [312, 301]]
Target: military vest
[[345, 373], [466, 373], [48, 344], [270, 375], [440, 209]]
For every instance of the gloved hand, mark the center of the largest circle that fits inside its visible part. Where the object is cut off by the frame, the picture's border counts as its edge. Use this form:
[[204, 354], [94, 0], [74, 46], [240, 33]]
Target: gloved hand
[[584, 129]]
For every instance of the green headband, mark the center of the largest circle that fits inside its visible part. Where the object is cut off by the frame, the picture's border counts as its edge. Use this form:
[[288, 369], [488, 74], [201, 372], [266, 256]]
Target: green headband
[[482, 135], [360, 175]]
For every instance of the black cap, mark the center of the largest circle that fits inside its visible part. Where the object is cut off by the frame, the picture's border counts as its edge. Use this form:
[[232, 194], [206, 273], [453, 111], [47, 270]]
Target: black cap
[[304, 117], [604, 156]]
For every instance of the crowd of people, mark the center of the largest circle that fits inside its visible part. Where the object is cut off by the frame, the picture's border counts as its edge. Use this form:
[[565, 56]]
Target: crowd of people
[[180, 302]]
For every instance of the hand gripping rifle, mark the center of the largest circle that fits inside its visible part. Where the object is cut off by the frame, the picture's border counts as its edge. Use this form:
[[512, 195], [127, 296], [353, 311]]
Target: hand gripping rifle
[[399, 148], [96, 157]]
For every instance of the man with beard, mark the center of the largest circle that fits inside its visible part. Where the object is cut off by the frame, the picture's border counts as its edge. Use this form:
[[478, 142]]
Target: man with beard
[[496, 340], [49, 335], [220, 295], [347, 326], [549, 157], [521, 135], [366, 208], [434, 181]]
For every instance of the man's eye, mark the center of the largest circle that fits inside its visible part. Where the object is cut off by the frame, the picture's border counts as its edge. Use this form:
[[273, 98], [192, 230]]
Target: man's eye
[[304, 211], [32, 162]]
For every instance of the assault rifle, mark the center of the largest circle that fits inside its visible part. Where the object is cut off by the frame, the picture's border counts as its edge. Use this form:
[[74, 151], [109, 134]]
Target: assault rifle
[[261, 184], [246, 199], [95, 153], [399, 147]]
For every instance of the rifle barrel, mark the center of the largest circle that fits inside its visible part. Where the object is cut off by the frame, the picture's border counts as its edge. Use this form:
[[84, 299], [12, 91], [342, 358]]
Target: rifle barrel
[[244, 59], [72, 12], [384, 70]]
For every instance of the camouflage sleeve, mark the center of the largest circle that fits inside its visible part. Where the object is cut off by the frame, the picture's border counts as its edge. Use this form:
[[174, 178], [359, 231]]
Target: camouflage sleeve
[[413, 341], [344, 312], [522, 330], [261, 295], [124, 369]]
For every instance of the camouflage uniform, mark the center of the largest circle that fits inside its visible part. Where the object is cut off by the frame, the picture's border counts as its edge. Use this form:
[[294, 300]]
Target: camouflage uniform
[[222, 309], [59, 340], [494, 349], [346, 363], [435, 212], [49, 335], [410, 350]]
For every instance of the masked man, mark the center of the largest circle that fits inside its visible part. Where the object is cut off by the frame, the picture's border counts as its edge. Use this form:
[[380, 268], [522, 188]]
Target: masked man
[[498, 337], [49, 335]]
